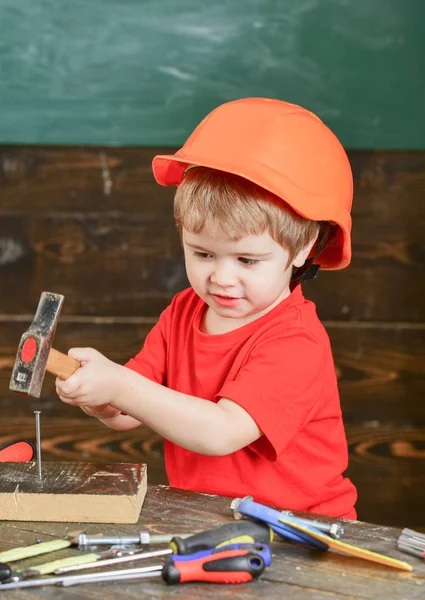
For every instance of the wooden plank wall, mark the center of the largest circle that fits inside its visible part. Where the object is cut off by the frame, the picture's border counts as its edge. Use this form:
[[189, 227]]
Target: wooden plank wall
[[92, 224]]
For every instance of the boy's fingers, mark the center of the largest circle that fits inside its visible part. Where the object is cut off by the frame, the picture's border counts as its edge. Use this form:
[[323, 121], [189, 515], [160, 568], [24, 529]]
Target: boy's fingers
[[83, 354], [69, 386]]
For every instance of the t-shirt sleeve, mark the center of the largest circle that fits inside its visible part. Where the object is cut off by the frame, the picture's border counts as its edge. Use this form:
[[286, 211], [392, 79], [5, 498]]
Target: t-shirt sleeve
[[279, 386], [151, 360]]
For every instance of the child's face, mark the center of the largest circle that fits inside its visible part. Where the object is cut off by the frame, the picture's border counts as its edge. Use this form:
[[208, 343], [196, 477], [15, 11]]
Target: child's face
[[239, 280]]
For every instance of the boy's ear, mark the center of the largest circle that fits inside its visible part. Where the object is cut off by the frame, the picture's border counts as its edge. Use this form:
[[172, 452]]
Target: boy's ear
[[301, 257]]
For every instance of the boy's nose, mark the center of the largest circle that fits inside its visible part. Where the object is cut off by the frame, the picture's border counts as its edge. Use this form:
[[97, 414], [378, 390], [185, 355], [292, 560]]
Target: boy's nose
[[222, 275]]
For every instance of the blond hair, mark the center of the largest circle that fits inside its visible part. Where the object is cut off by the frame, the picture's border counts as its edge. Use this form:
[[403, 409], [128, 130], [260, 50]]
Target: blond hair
[[236, 207]]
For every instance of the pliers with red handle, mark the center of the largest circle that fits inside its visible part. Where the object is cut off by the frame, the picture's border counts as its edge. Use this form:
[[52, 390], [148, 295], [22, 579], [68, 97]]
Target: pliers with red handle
[[17, 452]]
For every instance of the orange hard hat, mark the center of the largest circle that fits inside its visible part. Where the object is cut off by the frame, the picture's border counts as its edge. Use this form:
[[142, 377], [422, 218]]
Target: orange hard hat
[[284, 149]]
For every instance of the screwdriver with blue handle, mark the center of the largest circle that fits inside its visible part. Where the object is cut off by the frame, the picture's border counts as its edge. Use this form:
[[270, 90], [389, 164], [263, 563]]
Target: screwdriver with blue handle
[[247, 507]]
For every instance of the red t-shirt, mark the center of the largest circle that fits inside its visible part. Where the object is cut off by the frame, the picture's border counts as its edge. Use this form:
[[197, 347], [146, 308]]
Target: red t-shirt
[[280, 369]]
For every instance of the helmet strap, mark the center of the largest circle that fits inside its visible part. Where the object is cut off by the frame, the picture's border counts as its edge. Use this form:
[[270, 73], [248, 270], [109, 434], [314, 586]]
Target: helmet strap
[[307, 271], [310, 270]]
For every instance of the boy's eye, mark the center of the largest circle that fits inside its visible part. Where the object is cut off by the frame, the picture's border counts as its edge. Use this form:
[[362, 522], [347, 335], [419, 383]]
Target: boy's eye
[[248, 261], [202, 254]]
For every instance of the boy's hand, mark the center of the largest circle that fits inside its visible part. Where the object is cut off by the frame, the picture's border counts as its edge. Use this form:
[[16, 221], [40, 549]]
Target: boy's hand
[[94, 385], [102, 412]]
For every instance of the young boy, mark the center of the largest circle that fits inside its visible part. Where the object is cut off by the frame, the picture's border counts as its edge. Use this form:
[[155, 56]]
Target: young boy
[[238, 375]]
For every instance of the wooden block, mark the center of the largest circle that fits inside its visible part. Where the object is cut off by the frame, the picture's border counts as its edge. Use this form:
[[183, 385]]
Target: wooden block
[[72, 492]]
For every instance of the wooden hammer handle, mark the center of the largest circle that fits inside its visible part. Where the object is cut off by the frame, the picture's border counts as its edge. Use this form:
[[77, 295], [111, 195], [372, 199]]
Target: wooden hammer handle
[[61, 365]]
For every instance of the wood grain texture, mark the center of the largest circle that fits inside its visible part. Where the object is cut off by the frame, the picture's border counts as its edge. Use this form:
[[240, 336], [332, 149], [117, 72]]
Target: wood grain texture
[[72, 492], [379, 368], [91, 223], [381, 378], [296, 573], [59, 224]]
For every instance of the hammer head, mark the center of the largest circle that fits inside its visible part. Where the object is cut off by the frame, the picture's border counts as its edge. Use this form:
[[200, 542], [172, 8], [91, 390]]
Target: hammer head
[[34, 347]]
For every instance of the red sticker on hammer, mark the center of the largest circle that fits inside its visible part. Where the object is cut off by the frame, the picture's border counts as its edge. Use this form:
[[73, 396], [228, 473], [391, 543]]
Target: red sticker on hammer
[[28, 350]]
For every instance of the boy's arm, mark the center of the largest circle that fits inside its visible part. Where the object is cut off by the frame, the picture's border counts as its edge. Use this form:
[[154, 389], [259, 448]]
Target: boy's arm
[[273, 397], [111, 417], [193, 423]]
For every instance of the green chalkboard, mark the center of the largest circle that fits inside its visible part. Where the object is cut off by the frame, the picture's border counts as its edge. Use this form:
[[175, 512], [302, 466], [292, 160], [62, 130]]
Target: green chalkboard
[[144, 72]]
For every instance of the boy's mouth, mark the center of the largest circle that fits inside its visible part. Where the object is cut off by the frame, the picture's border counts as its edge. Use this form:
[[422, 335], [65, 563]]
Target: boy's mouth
[[226, 300]]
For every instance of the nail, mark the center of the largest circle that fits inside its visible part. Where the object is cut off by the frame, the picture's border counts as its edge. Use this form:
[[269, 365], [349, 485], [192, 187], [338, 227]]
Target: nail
[[38, 442]]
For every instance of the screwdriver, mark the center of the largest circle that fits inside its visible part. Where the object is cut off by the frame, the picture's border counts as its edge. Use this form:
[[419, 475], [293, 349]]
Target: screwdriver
[[143, 538], [226, 566], [229, 533], [262, 513], [261, 549], [248, 532]]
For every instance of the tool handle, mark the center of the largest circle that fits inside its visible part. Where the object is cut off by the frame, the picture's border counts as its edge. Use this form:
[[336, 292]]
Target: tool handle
[[33, 550], [61, 365], [61, 563], [5, 572], [232, 566], [229, 533], [262, 549], [272, 517]]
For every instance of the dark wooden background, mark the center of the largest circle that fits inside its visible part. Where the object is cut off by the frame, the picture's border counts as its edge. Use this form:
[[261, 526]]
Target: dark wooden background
[[92, 224]]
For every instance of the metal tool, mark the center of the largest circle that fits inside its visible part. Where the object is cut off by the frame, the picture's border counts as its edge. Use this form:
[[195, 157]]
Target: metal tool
[[72, 562], [241, 532], [110, 561], [231, 566], [144, 538], [246, 532], [31, 583], [35, 354], [334, 530], [186, 543], [38, 442], [261, 549], [247, 507], [226, 566]]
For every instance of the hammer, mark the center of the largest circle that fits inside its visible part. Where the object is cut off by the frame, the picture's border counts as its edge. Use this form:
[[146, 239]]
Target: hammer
[[35, 354]]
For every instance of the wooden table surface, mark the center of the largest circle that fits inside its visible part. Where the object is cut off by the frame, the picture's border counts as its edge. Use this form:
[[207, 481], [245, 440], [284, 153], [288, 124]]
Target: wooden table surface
[[296, 573]]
